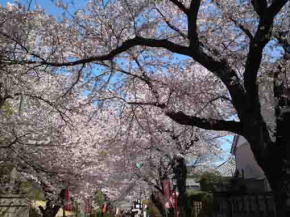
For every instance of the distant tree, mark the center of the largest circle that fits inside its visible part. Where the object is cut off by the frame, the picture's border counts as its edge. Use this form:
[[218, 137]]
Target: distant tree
[[208, 180]]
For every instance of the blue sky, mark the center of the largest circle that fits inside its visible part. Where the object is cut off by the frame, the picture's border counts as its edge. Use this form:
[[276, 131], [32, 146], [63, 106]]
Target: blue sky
[[49, 5]]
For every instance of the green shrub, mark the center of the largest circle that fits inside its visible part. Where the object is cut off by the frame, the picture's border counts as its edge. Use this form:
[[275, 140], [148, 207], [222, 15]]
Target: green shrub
[[34, 212], [153, 211], [201, 196], [208, 180]]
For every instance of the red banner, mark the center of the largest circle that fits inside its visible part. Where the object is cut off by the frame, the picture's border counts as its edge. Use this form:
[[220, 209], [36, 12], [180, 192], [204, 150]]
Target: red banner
[[88, 204], [105, 207], [175, 204], [67, 201], [167, 193]]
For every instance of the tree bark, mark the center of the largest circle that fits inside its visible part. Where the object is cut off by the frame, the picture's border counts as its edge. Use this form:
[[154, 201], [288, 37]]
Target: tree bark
[[159, 205], [50, 210], [180, 173], [277, 168], [271, 156]]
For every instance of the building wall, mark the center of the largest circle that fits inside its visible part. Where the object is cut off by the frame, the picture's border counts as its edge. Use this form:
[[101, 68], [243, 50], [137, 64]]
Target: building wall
[[13, 206], [246, 163]]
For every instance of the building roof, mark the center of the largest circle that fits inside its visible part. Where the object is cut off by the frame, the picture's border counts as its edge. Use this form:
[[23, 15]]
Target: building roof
[[228, 167], [234, 144], [238, 141], [191, 182]]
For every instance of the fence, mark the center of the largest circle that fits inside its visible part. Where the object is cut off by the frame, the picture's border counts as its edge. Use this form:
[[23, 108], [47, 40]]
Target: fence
[[244, 205], [197, 206]]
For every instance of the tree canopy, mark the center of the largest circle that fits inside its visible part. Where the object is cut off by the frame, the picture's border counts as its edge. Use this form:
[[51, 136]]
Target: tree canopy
[[215, 65]]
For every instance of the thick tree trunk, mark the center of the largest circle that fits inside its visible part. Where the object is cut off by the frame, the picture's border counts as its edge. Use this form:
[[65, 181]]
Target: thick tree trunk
[[280, 181], [277, 167], [50, 210], [277, 173], [273, 160], [276, 177]]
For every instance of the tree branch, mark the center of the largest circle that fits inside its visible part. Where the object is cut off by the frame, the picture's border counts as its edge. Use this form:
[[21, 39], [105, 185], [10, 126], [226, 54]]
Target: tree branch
[[243, 28], [192, 25], [171, 25], [205, 123], [255, 53], [237, 23], [275, 7], [282, 39], [180, 5], [259, 6], [79, 74], [160, 43], [10, 144], [219, 67]]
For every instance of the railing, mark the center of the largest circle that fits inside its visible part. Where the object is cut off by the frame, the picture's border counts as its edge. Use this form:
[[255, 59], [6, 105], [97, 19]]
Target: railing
[[197, 206]]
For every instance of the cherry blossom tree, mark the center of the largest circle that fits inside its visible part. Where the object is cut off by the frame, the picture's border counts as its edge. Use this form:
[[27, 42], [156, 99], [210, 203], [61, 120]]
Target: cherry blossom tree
[[167, 47], [69, 154], [35, 109], [150, 145]]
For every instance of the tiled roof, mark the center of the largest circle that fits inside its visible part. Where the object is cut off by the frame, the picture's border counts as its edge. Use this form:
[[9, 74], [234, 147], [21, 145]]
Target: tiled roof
[[227, 168]]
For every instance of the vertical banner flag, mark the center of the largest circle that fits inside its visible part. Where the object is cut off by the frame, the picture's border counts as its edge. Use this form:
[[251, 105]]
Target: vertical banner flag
[[167, 192], [175, 204], [67, 201], [104, 208], [88, 206]]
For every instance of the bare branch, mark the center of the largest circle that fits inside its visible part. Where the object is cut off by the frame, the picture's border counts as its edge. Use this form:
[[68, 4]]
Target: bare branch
[[10, 144], [62, 114], [238, 24], [243, 28], [172, 26], [79, 73]]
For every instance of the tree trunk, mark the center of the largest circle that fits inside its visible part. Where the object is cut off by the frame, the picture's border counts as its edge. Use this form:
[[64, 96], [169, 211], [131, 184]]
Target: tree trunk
[[280, 182], [274, 172], [180, 173], [278, 168], [273, 161], [50, 210], [273, 157], [158, 204]]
